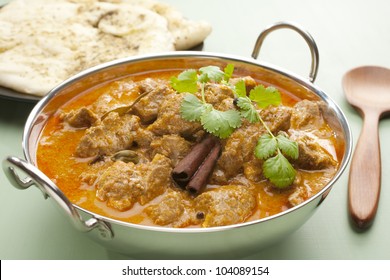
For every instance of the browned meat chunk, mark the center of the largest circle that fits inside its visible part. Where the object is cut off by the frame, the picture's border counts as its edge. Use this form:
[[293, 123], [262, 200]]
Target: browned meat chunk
[[250, 83], [123, 184], [120, 185], [277, 118], [238, 149], [172, 146], [230, 162], [225, 105], [80, 118], [253, 169], [94, 171], [156, 177], [214, 93], [174, 209], [170, 121], [143, 138], [113, 134], [225, 205], [312, 156], [307, 115], [116, 96], [147, 108]]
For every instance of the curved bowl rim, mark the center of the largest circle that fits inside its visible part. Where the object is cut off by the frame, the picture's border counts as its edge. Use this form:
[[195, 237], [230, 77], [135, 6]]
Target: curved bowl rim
[[211, 55]]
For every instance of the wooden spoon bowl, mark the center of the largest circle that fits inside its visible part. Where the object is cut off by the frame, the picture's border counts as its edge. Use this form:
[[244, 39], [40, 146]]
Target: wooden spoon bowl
[[367, 89]]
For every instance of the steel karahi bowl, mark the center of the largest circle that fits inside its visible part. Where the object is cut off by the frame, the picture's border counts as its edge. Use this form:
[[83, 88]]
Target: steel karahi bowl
[[139, 240]]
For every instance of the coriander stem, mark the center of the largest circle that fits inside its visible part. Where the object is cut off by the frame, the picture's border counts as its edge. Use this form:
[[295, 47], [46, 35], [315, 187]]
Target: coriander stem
[[202, 93], [268, 130], [265, 125]]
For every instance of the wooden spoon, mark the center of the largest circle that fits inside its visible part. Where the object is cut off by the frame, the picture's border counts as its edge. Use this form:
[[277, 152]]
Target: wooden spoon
[[367, 88]]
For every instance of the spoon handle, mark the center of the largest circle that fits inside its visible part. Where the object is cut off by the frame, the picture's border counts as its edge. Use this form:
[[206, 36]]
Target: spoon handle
[[365, 173]]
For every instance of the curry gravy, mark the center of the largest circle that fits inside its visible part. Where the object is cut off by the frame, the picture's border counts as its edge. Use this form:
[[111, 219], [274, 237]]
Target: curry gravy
[[88, 186]]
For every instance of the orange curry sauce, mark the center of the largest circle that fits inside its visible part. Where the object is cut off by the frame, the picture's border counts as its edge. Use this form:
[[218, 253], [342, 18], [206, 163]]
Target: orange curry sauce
[[56, 158]]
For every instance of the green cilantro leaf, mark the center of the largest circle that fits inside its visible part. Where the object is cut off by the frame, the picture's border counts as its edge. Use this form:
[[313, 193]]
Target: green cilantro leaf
[[211, 73], [220, 123], [265, 96], [273, 150], [277, 168], [233, 117], [192, 108], [187, 81], [240, 88], [266, 146], [287, 146], [279, 171], [248, 111], [229, 69]]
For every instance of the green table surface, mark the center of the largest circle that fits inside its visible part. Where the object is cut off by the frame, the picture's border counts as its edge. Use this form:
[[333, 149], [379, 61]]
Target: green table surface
[[349, 33]]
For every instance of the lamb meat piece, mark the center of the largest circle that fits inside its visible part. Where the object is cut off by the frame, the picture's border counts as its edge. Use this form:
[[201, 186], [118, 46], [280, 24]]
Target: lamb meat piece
[[172, 146], [175, 209], [230, 162], [120, 185], [215, 93], [237, 149], [94, 171], [104, 103], [306, 123], [225, 205], [143, 138], [253, 169], [147, 108], [113, 134], [169, 120], [80, 118], [277, 118], [156, 177], [124, 184], [312, 156], [225, 105], [250, 83], [116, 96], [307, 115]]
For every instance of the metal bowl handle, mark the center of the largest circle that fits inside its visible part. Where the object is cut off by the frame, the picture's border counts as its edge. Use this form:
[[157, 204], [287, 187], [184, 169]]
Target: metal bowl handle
[[35, 177], [308, 38]]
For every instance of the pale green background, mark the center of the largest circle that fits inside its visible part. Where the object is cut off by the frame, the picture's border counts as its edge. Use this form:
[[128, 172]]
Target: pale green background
[[348, 33]]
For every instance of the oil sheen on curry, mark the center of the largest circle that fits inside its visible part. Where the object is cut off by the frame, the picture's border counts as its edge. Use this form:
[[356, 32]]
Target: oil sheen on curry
[[192, 148]]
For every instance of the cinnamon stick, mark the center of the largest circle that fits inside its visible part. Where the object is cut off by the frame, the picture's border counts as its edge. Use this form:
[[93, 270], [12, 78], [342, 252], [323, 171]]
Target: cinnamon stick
[[200, 178], [189, 165]]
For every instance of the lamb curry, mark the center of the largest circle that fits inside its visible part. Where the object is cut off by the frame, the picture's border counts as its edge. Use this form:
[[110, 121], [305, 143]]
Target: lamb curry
[[142, 150]]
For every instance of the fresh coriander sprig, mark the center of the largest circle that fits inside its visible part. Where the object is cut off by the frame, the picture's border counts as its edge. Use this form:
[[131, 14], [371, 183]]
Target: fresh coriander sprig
[[270, 148], [276, 166], [220, 123], [273, 149]]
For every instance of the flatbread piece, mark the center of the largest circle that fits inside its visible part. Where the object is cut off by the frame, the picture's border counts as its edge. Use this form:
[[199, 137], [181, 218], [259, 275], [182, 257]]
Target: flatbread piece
[[44, 42]]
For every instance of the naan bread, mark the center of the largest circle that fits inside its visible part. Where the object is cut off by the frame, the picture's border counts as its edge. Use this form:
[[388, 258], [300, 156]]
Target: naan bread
[[44, 42], [187, 33]]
